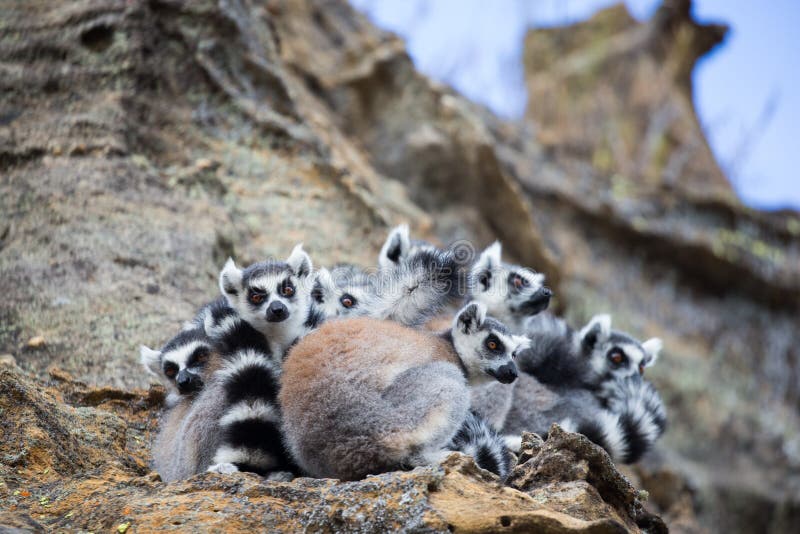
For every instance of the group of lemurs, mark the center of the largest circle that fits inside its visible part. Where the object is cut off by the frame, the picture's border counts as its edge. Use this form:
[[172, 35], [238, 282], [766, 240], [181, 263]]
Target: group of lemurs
[[340, 373]]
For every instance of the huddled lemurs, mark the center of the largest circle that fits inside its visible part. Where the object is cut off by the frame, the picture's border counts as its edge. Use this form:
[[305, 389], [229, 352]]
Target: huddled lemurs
[[336, 372]]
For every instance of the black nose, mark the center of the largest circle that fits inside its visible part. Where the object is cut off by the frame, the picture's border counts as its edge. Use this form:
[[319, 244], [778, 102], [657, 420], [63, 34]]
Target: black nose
[[506, 374], [188, 382], [277, 312], [539, 301]]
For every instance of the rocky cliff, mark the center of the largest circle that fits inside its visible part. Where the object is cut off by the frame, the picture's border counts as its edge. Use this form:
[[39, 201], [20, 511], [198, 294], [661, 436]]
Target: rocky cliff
[[142, 142]]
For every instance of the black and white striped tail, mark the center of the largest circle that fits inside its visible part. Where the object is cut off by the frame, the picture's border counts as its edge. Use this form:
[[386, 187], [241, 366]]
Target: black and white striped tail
[[251, 425], [478, 439], [631, 425]]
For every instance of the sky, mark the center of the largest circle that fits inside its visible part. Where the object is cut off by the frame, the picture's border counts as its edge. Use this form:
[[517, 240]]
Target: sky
[[746, 91]]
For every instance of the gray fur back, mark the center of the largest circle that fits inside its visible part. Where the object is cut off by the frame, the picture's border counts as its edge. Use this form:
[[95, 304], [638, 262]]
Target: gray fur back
[[186, 445], [354, 430]]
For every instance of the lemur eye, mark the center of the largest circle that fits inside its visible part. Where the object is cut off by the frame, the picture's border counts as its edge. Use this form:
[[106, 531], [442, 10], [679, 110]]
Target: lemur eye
[[170, 370], [286, 288], [493, 344], [256, 298], [616, 357], [641, 368], [520, 282], [347, 301]]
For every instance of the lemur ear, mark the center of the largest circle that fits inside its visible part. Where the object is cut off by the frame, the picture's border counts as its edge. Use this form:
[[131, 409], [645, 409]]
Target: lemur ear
[[300, 262], [395, 247], [652, 348], [324, 285], [470, 318], [482, 269], [596, 331], [230, 279], [151, 359]]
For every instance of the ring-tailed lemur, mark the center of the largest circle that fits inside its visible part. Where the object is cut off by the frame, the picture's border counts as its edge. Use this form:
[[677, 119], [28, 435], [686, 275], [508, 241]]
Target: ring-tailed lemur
[[181, 363], [417, 280], [626, 429], [511, 293], [363, 396], [234, 423], [615, 408], [274, 297], [595, 358], [346, 290], [408, 292]]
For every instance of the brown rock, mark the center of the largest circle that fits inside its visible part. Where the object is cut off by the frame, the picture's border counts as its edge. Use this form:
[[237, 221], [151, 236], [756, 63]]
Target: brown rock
[[67, 464]]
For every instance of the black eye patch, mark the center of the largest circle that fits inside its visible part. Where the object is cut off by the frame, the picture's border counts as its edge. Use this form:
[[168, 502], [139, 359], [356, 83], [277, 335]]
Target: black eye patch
[[617, 357], [256, 296], [170, 369], [493, 344], [348, 301], [517, 282], [199, 357], [286, 289]]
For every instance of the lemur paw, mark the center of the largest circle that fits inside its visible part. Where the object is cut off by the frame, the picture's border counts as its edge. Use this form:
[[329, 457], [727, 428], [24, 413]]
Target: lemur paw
[[223, 468]]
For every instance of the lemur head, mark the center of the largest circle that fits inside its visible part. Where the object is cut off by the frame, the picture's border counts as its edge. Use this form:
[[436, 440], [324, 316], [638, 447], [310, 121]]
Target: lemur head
[[344, 291], [612, 352], [273, 296], [180, 363], [510, 292], [485, 346], [416, 279]]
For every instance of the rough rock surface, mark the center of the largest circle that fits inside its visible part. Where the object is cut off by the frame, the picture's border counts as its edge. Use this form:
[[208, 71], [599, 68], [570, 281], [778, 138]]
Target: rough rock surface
[[75, 457], [144, 141]]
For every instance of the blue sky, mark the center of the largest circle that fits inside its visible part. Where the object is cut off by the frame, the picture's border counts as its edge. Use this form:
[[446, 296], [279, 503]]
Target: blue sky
[[746, 92]]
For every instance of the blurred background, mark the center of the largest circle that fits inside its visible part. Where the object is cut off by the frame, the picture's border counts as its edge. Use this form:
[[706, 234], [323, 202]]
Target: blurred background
[[637, 154], [744, 91]]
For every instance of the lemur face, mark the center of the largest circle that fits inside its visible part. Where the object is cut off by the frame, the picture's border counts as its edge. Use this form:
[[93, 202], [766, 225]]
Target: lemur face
[[510, 293], [485, 346], [616, 353], [180, 364], [270, 295], [344, 291]]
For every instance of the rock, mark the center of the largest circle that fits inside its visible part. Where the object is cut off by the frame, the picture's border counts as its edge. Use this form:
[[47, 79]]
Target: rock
[[73, 457], [35, 342]]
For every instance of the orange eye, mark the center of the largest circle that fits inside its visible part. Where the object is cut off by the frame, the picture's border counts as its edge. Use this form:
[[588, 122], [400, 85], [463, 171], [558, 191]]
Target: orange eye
[[617, 357], [641, 368], [347, 301], [170, 371], [256, 298], [288, 291], [517, 282], [492, 345]]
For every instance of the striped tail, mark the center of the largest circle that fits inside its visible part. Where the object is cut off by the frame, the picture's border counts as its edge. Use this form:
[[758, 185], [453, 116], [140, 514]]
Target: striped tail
[[251, 424], [478, 439], [630, 427]]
